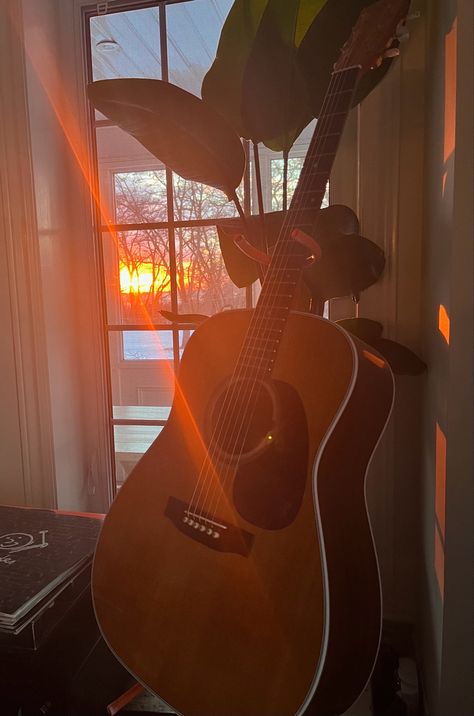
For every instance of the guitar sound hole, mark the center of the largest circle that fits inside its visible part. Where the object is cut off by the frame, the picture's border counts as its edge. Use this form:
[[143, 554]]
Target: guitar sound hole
[[242, 419]]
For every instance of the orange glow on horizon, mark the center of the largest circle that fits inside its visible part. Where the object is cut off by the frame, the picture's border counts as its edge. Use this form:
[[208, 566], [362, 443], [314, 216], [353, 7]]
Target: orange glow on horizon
[[444, 323], [144, 279], [149, 278]]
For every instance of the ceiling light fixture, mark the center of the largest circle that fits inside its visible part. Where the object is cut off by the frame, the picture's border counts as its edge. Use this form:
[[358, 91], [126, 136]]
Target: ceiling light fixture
[[107, 46]]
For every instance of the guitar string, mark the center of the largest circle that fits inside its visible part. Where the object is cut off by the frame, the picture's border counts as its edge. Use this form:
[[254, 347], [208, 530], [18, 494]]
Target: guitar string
[[284, 260], [285, 257], [270, 300], [255, 327]]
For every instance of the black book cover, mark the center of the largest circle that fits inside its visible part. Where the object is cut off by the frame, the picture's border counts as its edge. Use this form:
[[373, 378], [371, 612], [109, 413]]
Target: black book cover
[[38, 550]]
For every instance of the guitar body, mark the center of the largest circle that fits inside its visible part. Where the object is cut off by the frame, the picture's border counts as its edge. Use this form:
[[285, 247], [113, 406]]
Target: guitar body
[[279, 613]]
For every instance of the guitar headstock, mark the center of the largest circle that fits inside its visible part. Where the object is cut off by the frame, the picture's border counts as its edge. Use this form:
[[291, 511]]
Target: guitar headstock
[[372, 34]]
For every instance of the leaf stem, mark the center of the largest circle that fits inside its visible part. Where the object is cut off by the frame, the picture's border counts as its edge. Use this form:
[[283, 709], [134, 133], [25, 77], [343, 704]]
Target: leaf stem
[[285, 180], [258, 176]]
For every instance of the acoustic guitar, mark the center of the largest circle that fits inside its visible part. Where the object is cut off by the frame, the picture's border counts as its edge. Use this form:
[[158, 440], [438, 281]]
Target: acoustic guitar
[[235, 574]]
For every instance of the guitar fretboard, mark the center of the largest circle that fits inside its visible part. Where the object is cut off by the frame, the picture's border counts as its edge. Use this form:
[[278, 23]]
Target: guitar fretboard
[[278, 289]]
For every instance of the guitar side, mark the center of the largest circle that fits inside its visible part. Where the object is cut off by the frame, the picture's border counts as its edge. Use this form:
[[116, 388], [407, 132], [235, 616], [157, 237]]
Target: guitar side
[[226, 634]]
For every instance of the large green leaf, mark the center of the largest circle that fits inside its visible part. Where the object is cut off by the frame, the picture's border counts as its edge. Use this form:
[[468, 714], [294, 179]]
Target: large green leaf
[[222, 85], [243, 270], [349, 263], [364, 328], [401, 359], [178, 128], [321, 47], [255, 81], [275, 103]]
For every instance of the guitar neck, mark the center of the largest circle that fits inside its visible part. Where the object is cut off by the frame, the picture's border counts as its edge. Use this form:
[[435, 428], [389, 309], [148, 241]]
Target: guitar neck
[[279, 286], [322, 150]]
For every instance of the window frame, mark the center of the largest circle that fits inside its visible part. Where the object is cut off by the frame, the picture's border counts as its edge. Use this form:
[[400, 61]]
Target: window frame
[[266, 157]]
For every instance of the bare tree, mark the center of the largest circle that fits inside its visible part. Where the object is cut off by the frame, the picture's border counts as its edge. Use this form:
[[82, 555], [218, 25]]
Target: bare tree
[[202, 281]]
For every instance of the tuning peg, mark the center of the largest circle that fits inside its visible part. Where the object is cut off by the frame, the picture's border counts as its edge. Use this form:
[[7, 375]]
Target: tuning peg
[[392, 52]]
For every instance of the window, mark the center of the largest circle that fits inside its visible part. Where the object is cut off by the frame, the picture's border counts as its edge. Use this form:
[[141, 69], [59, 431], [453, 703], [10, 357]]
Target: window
[[157, 236]]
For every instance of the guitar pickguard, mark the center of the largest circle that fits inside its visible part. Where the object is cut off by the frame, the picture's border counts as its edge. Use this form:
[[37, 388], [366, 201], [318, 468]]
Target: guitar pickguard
[[268, 489]]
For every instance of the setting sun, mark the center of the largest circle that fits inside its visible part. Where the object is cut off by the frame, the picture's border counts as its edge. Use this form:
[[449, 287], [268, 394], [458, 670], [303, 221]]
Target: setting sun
[[147, 278], [144, 279]]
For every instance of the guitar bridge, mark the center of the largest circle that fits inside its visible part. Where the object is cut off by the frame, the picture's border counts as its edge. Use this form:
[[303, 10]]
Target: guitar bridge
[[218, 535]]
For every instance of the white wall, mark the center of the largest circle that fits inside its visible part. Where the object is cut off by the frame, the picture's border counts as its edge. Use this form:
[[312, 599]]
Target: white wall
[[423, 220], [26, 466], [446, 450], [68, 257], [56, 442]]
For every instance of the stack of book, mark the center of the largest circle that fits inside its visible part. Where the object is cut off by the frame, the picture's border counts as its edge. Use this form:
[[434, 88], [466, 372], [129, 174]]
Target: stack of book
[[45, 564]]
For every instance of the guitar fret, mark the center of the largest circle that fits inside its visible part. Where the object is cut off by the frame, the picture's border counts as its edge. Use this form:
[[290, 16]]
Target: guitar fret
[[339, 93], [268, 310], [313, 173], [258, 350], [322, 160], [325, 154], [336, 114], [329, 144], [256, 339], [290, 269], [286, 283], [277, 295], [257, 368], [330, 134], [308, 192], [273, 330]]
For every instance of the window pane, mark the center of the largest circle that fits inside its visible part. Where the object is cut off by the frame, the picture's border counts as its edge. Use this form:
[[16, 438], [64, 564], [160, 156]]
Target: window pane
[[130, 442], [126, 44], [140, 196], [139, 383], [193, 200], [294, 170], [152, 345], [204, 285], [193, 30], [137, 276], [141, 412], [119, 153]]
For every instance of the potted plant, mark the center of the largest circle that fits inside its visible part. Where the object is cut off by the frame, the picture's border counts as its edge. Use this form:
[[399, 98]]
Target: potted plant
[[266, 84]]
